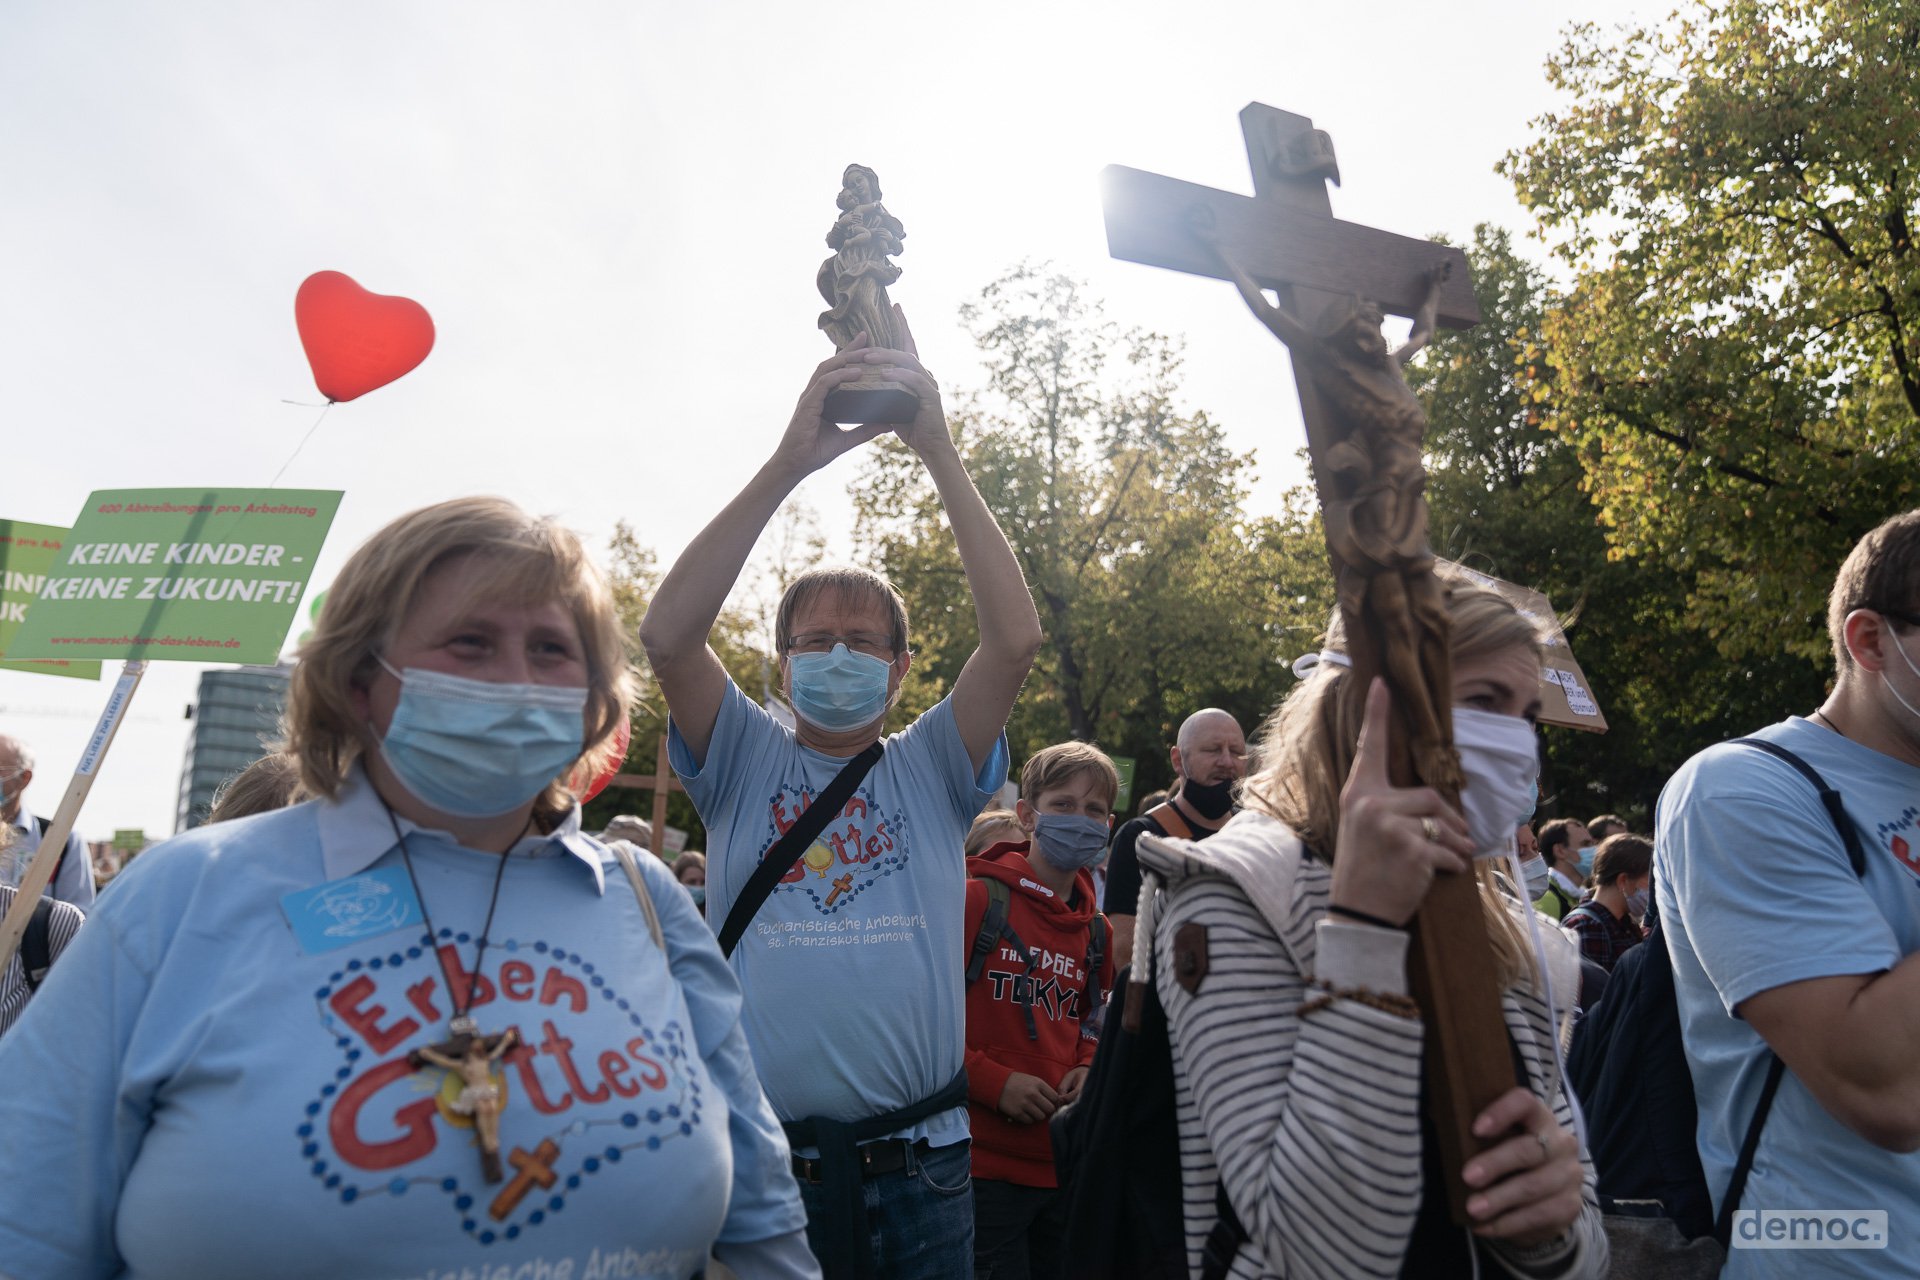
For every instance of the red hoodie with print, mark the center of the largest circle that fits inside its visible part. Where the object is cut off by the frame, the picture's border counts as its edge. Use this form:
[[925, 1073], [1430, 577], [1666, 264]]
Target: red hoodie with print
[[1057, 937]]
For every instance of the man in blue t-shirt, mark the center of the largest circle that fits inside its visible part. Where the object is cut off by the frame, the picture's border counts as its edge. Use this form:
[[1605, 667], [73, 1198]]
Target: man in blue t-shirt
[[854, 1008], [1779, 949]]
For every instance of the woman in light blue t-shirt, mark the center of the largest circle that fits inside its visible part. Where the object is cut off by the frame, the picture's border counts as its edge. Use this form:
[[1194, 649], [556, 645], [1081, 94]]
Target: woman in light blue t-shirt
[[421, 1025]]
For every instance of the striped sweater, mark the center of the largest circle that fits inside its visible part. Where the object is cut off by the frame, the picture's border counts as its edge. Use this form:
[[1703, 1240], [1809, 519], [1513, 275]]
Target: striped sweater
[[1311, 1124]]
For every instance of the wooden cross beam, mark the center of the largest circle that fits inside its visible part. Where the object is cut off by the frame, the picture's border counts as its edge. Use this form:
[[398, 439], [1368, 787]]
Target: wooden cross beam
[[1364, 433], [661, 784]]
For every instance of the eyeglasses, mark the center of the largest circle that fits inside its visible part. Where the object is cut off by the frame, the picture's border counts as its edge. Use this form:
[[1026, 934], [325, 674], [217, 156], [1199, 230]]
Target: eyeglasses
[[867, 642]]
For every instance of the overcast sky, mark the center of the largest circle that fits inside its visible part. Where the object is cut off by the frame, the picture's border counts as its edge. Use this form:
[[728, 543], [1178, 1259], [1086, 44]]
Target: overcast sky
[[614, 213]]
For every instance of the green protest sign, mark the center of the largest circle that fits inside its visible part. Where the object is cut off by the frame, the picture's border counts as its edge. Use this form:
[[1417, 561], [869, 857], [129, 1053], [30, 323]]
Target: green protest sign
[[27, 551], [181, 575], [129, 839]]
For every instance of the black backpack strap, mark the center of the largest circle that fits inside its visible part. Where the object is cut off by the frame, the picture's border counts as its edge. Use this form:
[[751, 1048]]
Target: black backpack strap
[[999, 898], [993, 927], [1776, 1069], [798, 839], [40, 829], [36, 947], [1224, 1241], [1097, 931], [1828, 797], [1023, 985], [1737, 1184]]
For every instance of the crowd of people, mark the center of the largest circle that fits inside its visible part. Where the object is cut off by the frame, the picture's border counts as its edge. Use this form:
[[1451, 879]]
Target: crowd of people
[[394, 1014]]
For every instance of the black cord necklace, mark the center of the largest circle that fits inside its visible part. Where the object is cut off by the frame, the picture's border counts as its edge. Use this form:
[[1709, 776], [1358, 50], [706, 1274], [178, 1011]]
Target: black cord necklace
[[468, 1053], [460, 1024]]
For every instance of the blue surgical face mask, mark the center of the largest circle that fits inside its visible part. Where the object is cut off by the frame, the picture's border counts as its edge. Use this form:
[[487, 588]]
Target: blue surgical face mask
[[840, 690], [699, 892], [1069, 841], [1637, 903], [477, 750], [1586, 861]]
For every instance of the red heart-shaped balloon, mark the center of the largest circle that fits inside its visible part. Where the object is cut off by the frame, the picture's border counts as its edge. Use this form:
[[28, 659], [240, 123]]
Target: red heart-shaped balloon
[[356, 340], [622, 736]]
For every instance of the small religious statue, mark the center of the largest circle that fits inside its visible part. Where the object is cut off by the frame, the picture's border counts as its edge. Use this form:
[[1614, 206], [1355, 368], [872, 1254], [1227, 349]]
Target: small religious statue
[[472, 1056], [854, 283], [1374, 485]]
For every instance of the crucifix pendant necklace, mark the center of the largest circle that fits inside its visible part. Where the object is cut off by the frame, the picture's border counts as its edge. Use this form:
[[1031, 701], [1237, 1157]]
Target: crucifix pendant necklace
[[467, 1052]]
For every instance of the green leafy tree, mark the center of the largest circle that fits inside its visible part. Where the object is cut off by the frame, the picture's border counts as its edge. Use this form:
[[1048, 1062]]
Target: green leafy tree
[[1158, 594], [633, 575], [1512, 498], [1738, 359]]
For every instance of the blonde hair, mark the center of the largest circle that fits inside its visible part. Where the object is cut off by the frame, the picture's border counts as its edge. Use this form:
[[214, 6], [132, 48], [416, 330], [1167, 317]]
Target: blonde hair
[[1305, 750], [989, 828], [269, 783], [846, 583], [531, 561], [1057, 765]]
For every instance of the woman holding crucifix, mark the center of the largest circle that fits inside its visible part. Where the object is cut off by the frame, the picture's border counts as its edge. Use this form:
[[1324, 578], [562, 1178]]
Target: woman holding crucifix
[[1303, 1094], [420, 1024]]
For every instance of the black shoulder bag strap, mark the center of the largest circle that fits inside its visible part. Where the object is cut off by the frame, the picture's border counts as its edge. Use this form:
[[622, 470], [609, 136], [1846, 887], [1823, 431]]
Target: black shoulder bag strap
[[36, 945], [787, 849], [1857, 857]]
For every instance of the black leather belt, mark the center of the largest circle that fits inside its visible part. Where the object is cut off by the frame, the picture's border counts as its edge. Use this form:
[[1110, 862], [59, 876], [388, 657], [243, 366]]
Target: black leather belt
[[889, 1155]]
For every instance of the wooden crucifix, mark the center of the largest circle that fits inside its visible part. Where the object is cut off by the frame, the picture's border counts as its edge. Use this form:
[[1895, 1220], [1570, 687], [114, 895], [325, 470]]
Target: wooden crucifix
[[1365, 433], [662, 784]]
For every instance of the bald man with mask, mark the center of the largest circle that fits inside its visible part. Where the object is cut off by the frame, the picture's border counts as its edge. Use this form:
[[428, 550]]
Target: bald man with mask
[[1209, 756], [73, 880]]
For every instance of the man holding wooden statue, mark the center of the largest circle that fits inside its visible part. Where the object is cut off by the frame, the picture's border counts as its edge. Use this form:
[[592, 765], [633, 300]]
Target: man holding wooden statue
[[835, 868]]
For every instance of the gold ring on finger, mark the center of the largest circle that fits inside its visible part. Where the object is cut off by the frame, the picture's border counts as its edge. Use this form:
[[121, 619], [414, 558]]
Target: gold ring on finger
[[1430, 830]]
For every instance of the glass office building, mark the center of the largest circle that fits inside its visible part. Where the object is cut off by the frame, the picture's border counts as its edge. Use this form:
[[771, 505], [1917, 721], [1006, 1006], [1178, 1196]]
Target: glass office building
[[236, 715]]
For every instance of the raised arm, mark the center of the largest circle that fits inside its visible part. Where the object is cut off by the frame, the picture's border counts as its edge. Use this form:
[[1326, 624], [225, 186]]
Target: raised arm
[[1285, 327], [1010, 636], [1422, 332], [683, 611]]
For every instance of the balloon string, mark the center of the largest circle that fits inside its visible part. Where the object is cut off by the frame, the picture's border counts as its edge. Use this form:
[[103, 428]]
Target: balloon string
[[303, 444]]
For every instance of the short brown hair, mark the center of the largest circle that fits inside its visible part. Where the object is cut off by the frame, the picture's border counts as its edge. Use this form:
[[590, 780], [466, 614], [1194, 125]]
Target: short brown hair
[[844, 581], [1619, 855], [1594, 825], [1552, 835], [269, 783], [989, 829], [534, 561], [1881, 573], [1059, 764]]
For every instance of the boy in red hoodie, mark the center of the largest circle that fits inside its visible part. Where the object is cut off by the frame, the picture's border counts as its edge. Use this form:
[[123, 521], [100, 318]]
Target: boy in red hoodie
[[1028, 992]]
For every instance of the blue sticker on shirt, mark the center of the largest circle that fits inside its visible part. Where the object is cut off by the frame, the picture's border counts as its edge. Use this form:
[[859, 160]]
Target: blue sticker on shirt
[[342, 912]]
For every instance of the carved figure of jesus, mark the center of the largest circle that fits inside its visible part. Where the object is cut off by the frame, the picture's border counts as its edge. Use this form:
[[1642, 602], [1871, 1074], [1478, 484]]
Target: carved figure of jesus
[[854, 280], [1373, 487], [479, 1094]]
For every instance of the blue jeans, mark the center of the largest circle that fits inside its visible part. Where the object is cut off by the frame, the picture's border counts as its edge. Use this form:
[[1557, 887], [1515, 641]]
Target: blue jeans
[[919, 1220]]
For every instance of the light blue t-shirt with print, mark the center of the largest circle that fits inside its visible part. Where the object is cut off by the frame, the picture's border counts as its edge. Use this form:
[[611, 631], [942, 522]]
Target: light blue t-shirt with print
[[854, 999], [214, 1081], [1755, 892]]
